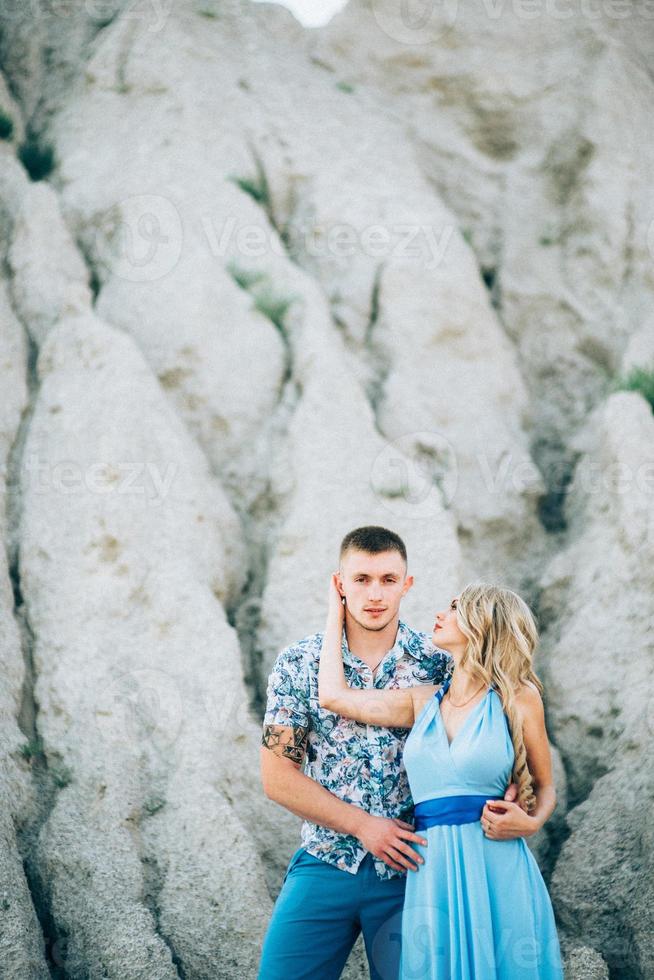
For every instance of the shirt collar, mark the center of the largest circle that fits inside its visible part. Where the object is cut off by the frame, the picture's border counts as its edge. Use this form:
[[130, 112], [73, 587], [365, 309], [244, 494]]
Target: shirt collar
[[401, 645], [403, 637]]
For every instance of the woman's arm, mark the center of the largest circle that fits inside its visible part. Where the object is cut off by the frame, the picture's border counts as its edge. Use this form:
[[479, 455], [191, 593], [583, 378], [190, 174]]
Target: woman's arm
[[391, 708], [539, 756], [513, 821]]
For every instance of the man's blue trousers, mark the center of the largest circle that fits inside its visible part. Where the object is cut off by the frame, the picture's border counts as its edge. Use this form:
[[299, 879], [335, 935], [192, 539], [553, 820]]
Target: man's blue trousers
[[319, 914]]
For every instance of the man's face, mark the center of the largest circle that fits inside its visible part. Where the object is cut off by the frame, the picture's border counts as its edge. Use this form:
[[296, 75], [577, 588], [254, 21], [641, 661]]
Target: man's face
[[373, 586]]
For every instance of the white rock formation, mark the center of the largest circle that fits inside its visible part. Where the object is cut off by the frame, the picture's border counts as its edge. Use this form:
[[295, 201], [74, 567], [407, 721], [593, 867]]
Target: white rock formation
[[598, 591], [21, 942], [278, 284], [534, 141], [141, 707]]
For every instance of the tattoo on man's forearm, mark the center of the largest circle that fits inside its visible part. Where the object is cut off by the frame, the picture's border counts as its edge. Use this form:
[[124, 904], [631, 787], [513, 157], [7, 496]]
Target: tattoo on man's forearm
[[290, 743]]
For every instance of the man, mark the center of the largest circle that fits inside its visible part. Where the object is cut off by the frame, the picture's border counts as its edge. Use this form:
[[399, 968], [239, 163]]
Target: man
[[349, 874]]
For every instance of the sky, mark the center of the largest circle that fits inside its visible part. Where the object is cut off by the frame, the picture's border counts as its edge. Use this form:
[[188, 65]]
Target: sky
[[312, 13]]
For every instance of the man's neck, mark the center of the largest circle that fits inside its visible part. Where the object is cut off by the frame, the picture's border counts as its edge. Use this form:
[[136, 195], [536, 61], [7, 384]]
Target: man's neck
[[370, 645]]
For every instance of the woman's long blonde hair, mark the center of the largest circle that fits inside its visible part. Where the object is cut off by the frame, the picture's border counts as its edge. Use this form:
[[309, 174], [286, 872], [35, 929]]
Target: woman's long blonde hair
[[502, 636]]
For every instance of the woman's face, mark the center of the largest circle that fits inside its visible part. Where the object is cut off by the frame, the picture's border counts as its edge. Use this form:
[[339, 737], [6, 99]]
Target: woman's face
[[447, 634]]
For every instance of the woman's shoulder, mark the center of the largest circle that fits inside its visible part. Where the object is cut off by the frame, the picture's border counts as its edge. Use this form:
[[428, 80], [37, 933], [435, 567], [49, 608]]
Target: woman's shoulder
[[526, 695], [528, 691], [528, 700]]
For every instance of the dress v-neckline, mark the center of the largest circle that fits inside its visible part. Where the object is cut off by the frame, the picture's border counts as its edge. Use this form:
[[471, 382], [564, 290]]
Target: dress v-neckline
[[465, 720]]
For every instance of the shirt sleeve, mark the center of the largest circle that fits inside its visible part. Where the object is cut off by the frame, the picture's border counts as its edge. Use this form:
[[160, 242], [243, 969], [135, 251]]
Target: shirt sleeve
[[442, 664], [287, 701], [447, 665]]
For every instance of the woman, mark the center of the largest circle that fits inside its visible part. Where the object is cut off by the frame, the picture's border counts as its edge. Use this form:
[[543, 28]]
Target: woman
[[478, 908]]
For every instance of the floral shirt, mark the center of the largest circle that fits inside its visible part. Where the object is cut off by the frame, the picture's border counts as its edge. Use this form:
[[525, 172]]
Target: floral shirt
[[361, 764]]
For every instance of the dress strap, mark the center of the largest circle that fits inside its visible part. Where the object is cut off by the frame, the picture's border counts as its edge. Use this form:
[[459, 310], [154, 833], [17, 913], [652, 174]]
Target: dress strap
[[440, 694]]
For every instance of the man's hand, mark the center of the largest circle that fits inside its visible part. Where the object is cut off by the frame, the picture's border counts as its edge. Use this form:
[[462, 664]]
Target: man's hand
[[386, 838], [511, 794], [504, 820]]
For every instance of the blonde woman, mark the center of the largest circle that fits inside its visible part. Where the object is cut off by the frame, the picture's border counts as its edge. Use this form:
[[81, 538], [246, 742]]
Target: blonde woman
[[477, 908]]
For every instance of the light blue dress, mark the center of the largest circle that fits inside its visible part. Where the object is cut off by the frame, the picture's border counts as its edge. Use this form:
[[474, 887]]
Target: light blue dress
[[477, 909]]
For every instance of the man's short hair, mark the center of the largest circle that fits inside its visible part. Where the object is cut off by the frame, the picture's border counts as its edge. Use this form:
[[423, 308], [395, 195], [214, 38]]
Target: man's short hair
[[373, 540]]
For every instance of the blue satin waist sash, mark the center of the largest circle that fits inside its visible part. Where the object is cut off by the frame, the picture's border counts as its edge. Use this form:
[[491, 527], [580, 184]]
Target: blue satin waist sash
[[449, 810]]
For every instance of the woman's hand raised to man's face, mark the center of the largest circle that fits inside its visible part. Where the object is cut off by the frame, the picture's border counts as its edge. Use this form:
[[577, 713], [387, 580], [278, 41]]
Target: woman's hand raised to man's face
[[336, 608]]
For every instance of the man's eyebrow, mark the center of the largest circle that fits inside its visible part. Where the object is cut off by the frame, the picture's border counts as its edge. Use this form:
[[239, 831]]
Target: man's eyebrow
[[383, 575]]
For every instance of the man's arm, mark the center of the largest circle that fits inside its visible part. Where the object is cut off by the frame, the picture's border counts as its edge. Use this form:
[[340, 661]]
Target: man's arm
[[281, 754]]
